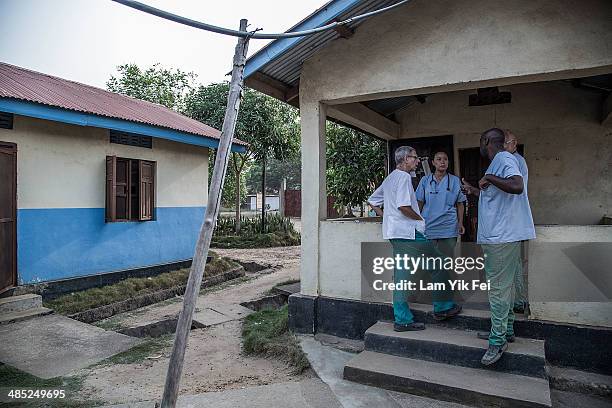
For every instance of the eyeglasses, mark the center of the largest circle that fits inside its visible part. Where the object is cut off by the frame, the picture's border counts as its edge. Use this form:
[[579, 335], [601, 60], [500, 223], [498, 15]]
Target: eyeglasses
[[414, 157]]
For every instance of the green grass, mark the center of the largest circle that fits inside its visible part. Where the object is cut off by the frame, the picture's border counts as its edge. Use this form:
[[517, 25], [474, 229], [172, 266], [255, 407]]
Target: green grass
[[150, 347], [129, 288], [267, 240], [12, 378], [267, 333]]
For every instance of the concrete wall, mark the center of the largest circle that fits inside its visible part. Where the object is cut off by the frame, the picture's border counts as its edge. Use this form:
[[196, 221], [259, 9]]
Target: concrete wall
[[433, 46], [61, 200], [553, 280], [562, 287], [568, 151]]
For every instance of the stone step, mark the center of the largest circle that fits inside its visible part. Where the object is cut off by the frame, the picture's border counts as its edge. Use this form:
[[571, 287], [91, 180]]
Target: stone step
[[20, 303], [12, 317], [471, 386], [456, 347]]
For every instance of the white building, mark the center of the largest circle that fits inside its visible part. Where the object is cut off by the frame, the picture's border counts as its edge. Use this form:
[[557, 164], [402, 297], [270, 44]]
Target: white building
[[542, 69], [94, 182]]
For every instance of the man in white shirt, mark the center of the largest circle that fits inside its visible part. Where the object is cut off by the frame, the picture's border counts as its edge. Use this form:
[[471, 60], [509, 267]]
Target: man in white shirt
[[404, 227], [504, 220]]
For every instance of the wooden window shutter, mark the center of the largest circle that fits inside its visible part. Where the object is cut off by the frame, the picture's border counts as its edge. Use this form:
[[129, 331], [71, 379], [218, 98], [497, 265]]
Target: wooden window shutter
[[122, 189], [111, 209], [147, 190]]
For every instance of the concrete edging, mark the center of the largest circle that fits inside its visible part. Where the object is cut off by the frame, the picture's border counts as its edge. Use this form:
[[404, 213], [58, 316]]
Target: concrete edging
[[106, 311]]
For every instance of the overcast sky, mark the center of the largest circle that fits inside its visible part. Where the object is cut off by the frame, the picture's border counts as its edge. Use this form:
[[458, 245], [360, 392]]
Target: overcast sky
[[85, 40]]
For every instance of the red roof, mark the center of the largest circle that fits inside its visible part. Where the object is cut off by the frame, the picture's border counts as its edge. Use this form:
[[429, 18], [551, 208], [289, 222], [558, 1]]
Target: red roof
[[24, 84]]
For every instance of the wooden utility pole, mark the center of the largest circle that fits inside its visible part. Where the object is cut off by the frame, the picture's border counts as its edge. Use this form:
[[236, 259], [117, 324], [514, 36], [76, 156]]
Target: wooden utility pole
[[196, 273]]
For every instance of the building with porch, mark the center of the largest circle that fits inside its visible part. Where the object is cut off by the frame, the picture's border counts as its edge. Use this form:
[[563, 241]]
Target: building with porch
[[93, 183], [435, 75]]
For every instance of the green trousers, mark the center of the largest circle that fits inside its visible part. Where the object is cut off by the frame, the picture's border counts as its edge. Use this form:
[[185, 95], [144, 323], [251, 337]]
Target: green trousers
[[520, 294], [502, 264], [416, 248]]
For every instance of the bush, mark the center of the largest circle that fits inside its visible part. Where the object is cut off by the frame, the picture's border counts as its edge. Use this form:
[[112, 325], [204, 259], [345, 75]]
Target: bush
[[252, 225], [279, 231]]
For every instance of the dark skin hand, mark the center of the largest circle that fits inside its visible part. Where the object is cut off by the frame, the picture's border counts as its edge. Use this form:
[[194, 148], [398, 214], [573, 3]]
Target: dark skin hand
[[511, 185], [407, 211]]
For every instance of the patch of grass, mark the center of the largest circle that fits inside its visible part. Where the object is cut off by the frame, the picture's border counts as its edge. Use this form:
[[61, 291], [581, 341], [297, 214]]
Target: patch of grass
[[131, 287], [255, 240], [149, 348], [226, 284], [12, 378], [267, 333]]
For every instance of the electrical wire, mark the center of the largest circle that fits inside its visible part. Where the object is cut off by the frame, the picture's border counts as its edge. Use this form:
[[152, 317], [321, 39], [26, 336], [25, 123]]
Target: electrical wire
[[252, 34]]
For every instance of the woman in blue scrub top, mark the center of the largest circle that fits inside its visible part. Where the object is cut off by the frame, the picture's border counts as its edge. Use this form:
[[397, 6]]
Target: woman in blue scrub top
[[442, 204]]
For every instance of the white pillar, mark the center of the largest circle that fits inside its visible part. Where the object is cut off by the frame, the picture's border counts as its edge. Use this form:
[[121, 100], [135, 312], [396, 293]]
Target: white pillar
[[314, 194]]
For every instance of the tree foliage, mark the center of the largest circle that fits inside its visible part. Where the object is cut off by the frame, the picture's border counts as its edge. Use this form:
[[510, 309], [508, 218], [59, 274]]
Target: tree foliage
[[228, 195], [167, 87], [269, 126], [276, 171], [355, 164]]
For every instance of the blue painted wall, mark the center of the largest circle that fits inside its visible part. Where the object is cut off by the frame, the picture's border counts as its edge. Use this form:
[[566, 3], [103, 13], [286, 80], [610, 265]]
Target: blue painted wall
[[71, 242]]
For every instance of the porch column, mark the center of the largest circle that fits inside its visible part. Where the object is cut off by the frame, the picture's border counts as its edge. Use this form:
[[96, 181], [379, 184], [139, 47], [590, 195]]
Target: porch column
[[314, 194]]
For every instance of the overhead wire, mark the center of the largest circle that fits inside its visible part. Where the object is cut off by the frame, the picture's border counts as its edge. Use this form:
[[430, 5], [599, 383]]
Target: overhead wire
[[255, 33]]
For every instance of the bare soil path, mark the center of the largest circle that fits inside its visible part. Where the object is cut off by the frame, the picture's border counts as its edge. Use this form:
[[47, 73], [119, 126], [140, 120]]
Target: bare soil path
[[213, 360]]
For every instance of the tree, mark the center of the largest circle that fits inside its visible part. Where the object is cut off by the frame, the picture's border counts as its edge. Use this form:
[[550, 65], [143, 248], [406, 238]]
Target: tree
[[355, 165], [277, 170], [167, 87], [228, 195], [269, 126]]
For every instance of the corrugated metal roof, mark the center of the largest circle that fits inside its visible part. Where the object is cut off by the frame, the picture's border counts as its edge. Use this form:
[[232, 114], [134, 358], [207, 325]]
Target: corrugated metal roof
[[31, 86], [287, 65]]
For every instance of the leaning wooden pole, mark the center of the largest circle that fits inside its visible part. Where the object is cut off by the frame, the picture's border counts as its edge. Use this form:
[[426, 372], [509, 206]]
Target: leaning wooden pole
[[173, 377]]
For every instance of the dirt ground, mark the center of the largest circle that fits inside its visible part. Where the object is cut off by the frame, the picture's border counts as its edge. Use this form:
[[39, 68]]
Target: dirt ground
[[213, 360]]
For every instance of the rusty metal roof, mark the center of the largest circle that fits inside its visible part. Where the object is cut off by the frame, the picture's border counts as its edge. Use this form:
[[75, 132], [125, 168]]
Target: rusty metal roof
[[31, 86]]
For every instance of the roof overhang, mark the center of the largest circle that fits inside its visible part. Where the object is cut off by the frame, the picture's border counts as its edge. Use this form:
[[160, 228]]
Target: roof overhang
[[275, 69], [40, 111]]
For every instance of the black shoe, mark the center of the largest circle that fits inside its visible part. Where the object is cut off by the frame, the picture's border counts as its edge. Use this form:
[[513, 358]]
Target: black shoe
[[447, 314], [408, 327], [493, 354], [485, 336]]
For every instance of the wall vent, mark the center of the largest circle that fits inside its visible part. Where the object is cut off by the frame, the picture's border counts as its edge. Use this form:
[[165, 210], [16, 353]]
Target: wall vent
[[6, 120], [131, 139]]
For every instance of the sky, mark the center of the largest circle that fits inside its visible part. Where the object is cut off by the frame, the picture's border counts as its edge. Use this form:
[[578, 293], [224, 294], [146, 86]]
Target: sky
[[85, 40]]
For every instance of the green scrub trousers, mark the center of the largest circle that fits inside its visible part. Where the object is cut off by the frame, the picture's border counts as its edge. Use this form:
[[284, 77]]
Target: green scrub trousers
[[502, 265], [415, 248]]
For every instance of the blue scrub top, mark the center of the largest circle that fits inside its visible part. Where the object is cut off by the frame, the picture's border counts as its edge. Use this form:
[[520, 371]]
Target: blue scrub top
[[504, 217], [439, 210]]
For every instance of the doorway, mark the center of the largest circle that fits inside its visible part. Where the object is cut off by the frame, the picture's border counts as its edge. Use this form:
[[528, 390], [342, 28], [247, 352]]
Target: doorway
[[8, 216]]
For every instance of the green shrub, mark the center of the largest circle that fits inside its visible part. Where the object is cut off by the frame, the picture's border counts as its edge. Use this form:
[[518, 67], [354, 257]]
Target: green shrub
[[252, 225]]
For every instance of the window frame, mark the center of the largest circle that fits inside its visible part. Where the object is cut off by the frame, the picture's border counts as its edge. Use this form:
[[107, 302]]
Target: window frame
[[142, 186]]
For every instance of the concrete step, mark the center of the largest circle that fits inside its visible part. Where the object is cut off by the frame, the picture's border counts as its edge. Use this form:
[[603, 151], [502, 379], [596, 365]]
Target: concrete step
[[20, 303], [12, 317], [471, 386], [456, 347]]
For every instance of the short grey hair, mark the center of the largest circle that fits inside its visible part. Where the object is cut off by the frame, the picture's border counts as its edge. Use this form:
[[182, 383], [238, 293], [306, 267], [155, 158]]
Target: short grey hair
[[402, 152]]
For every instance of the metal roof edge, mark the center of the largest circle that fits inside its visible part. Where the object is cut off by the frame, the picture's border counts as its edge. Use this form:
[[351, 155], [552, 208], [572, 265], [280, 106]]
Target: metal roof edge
[[278, 47], [41, 111]]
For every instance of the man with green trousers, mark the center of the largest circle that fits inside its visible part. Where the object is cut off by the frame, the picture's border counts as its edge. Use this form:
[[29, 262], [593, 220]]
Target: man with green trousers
[[504, 220], [404, 227]]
